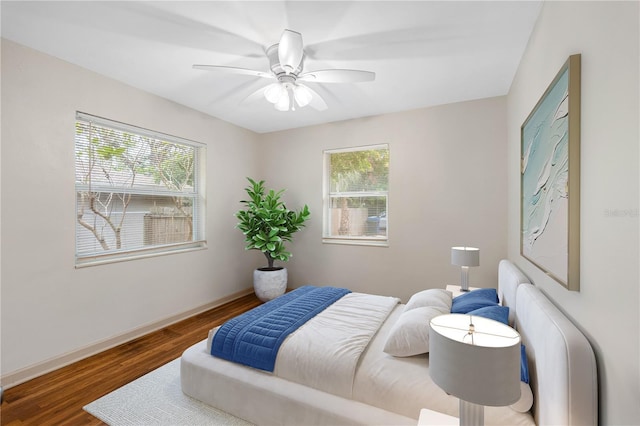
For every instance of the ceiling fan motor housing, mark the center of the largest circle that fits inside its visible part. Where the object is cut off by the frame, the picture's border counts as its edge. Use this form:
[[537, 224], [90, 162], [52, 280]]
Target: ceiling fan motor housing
[[280, 73]]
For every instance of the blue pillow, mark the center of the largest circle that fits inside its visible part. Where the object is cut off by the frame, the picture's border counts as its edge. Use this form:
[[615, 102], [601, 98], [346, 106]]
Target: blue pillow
[[501, 314], [496, 313], [473, 300], [524, 365]]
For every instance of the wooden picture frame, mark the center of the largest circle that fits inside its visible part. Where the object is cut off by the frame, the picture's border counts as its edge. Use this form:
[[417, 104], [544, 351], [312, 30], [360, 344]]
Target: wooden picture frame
[[550, 179]]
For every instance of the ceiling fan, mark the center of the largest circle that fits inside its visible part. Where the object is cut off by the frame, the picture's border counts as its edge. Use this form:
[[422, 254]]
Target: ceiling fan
[[286, 60]]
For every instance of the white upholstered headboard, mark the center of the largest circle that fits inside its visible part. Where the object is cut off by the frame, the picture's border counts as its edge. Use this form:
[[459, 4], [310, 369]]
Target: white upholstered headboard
[[562, 365], [509, 278]]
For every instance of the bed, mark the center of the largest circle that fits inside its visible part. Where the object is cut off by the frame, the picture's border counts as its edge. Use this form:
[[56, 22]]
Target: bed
[[385, 389]]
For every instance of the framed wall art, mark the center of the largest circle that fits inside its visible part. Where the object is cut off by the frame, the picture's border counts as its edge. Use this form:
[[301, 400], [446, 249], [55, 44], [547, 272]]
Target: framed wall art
[[550, 179]]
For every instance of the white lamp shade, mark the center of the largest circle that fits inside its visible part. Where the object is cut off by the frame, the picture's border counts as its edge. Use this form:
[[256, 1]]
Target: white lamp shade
[[465, 256], [486, 372]]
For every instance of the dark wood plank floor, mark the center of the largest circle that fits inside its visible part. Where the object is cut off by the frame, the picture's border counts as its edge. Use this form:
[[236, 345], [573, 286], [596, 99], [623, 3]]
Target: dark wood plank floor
[[57, 398]]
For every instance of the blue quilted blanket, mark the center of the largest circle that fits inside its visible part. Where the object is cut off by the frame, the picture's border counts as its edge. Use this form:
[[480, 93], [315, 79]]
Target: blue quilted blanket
[[254, 337]]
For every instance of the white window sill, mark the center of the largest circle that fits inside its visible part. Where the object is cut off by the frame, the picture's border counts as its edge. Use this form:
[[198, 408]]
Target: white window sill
[[84, 262], [356, 241]]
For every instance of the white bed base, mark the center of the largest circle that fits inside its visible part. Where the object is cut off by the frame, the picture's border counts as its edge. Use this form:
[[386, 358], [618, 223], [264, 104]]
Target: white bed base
[[561, 364], [270, 400]]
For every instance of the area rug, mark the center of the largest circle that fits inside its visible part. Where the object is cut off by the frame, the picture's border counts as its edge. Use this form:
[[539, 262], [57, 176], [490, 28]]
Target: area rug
[[157, 399]]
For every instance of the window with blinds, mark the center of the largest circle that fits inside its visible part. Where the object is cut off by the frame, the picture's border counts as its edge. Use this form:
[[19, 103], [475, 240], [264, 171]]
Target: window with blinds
[[356, 195], [138, 192]]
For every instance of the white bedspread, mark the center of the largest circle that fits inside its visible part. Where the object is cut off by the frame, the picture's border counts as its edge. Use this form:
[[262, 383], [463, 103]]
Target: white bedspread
[[324, 352]]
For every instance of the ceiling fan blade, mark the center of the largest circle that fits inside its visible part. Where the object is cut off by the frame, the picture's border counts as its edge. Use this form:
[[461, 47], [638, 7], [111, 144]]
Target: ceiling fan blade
[[234, 70], [254, 97], [317, 102], [338, 76], [290, 50]]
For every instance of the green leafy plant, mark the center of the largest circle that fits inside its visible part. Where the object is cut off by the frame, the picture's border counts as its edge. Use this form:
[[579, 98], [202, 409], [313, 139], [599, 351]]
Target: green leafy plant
[[267, 223]]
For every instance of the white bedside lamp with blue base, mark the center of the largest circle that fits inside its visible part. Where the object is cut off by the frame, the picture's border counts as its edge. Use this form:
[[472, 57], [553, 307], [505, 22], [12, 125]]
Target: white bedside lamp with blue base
[[477, 360]]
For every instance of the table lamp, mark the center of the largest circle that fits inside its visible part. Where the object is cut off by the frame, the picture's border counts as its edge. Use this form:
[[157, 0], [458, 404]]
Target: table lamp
[[465, 257], [477, 360]]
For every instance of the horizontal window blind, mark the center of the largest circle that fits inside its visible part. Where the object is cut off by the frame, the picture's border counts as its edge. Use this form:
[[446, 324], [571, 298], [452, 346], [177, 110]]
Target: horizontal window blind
[[137, 191], [356, 194]]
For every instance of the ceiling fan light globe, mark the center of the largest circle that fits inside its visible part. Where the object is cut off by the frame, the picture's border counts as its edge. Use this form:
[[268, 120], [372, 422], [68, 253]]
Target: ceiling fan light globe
[[283, 102], [273, 93], [302, 95]]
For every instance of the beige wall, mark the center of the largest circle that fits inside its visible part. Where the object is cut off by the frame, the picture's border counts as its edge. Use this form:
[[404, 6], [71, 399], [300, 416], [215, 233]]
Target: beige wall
[[49, 308], [606, 308], [447, 187]]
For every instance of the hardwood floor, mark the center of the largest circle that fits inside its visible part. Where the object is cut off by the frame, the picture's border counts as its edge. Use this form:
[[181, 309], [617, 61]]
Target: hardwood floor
[[57, 398]]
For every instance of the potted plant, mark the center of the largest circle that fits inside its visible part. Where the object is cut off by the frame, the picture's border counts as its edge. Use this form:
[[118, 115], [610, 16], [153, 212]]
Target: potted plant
[[266, 224]]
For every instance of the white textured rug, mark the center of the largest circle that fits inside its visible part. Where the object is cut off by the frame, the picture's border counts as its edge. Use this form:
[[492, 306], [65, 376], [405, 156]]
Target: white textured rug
[[157, 399]]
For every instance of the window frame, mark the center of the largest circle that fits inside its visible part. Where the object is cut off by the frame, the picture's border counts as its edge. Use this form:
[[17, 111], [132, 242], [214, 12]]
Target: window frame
[[327, 195], [198, 241]]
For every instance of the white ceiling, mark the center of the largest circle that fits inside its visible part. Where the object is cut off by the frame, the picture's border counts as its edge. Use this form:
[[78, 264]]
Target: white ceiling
[[424, 53]]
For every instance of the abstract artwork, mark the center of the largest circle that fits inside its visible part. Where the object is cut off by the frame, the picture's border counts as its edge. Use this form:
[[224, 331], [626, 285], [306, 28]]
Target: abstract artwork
[[550, 179]]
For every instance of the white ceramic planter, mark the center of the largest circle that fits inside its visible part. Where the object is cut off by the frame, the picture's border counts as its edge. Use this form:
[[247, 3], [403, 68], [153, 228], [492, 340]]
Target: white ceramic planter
[[269, 284]]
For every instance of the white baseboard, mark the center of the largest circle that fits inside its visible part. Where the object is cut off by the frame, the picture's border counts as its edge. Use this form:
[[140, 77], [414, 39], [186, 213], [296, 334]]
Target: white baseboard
[[31, 372]]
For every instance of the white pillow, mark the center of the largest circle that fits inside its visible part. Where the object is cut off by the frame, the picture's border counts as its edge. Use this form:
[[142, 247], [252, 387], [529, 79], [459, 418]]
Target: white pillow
[[410, 334], [525, 402], [437, 297]]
